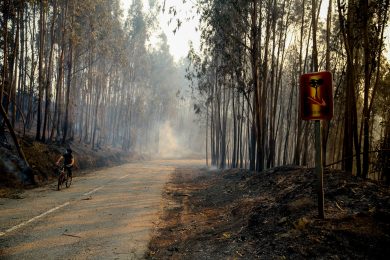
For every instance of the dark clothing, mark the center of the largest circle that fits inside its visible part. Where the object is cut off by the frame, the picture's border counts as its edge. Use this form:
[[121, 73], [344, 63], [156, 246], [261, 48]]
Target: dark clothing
[[68, 157], [69, 171]]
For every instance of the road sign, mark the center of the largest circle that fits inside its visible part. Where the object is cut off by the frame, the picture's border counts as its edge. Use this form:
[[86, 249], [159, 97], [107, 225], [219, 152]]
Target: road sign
[[316, 96]]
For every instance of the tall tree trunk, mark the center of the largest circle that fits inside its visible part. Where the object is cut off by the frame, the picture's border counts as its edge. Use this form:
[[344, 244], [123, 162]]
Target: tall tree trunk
[[325, 124], [4, 76], [262, 134], [42, 19], [30, 106], [49, 76], [347, 164], [68, 88], [256, 160], [367, 82], [14, 69], [22, 90], [207, 135], [235, 137], [96, 116], [297, 154]]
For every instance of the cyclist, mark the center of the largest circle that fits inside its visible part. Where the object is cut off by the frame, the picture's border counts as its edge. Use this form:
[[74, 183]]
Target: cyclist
[[68, 161]]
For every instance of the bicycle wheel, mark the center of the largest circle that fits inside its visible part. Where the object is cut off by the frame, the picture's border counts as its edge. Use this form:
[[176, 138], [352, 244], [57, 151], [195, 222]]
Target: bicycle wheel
[[60, 181], [68, 181]]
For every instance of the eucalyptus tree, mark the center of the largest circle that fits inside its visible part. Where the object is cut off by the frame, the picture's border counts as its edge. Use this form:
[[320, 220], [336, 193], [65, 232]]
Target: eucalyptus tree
[[375, 19], [266, 76], [11, 13], [365, 55], [74, 71], [136, 29], [380, 110], [222, 77], [247, 45]]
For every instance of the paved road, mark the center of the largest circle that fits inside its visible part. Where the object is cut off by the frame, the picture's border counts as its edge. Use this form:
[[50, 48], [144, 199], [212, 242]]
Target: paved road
[[107, 214]]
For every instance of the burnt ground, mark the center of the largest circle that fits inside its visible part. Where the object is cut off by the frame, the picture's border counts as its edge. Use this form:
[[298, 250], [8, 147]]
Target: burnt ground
[[236, 214]]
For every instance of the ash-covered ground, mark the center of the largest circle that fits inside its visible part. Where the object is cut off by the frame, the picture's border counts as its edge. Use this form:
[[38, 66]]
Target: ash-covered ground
[[236, 214]]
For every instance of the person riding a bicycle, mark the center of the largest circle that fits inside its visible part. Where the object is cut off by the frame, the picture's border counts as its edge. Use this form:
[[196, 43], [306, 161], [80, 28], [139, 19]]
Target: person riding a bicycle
[[68, 161]]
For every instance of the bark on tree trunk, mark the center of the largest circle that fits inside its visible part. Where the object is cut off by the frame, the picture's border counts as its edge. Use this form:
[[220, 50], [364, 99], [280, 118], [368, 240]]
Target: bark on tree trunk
[[42, 30], [13, 135]]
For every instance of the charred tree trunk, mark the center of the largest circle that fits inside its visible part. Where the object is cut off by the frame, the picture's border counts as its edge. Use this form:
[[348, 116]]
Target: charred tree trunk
[[49, 77], [42, 19], [67, 93]]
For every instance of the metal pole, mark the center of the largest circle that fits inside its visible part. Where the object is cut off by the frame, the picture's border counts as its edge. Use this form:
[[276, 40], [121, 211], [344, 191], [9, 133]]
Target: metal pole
[[319, 169]]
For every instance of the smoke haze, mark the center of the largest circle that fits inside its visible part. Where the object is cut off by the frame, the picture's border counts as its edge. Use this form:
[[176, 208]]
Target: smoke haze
[[175, 144]]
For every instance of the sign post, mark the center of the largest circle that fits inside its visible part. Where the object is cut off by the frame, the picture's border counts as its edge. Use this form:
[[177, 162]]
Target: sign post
[[316, 103], [319, 169]]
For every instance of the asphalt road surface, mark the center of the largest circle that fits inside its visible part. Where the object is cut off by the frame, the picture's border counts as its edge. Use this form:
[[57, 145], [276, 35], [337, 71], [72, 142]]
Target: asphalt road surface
[[107, 214]]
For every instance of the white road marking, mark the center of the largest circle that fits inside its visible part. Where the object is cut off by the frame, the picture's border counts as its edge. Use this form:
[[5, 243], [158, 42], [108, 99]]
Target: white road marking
[[51, 210], [92, 191], [33, 219], [123, 177]]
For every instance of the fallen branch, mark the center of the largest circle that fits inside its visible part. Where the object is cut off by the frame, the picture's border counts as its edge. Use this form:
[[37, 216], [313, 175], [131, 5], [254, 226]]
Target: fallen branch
[[69, 235]]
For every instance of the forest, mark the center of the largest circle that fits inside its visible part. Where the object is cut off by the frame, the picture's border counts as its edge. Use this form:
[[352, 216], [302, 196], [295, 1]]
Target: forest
[[86, 72], [247, 80]]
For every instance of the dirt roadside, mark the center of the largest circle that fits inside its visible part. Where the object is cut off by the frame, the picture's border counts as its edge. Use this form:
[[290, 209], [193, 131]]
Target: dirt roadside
[[236, 214]]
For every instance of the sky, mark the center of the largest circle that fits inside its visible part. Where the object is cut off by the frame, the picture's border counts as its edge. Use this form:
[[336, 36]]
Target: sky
[[179, 41]]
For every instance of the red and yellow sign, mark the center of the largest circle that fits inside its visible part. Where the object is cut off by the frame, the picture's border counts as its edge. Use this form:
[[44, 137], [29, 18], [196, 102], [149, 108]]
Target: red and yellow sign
[[316, 96]]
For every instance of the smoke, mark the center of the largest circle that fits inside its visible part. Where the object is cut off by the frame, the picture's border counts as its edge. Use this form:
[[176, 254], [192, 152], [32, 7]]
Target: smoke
[[213, 168], [168, 144], [174, 144]]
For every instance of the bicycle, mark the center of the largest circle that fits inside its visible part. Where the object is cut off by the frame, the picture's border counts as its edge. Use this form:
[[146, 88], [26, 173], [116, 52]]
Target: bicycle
[[63, 178]]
